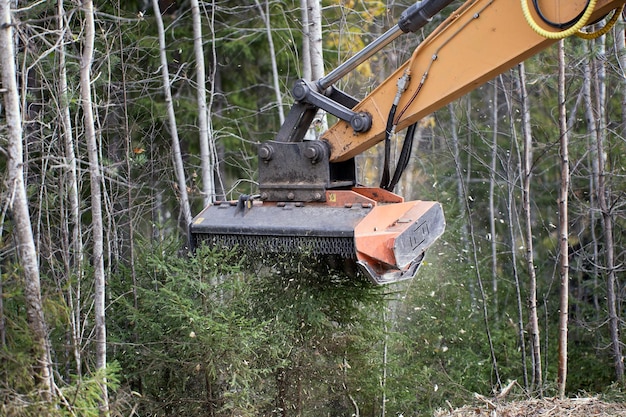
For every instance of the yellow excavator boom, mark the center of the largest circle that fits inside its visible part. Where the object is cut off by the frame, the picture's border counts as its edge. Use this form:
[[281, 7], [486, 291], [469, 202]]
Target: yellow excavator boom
[[478, 41]]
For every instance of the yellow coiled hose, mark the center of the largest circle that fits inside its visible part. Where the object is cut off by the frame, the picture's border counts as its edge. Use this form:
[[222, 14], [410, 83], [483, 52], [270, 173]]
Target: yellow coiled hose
[[593, 35], [573, 30]]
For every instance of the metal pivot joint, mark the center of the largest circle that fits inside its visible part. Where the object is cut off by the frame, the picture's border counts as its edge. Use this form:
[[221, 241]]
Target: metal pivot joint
[[306, 92]]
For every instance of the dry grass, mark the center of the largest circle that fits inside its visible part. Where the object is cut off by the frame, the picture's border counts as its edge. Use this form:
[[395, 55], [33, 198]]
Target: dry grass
[[546, 407]]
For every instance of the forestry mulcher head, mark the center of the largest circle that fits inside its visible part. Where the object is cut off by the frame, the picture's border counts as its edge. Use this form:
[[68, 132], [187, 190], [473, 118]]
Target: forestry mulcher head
[[308, 202], [374, 228]]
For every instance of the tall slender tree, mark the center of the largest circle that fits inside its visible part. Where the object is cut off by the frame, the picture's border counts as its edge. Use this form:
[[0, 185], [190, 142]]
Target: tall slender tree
[[563, 227], [314, 10], [492, 196], [527, 172], [206, 155], [95, 176], [596, 115], [75, 267], [179, 167], [306, 46], [265, 15], [18, 200], [313, 55], [620, 42], [460, 194], [513, 220]]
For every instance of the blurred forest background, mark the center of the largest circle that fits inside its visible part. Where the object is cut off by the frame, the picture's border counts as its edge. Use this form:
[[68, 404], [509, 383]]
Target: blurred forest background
[[103, 311]]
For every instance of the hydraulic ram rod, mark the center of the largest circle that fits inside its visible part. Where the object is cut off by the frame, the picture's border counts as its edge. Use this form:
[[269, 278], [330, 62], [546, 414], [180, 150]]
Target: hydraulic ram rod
[[411, 20]]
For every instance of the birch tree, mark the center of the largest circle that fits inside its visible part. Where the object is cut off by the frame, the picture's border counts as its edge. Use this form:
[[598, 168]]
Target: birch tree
[[265, 15], [207, 162], [95, 176], [313, 55], [620, 42], [563, 227], [596, 116], [527, 172], [306, 34], [18, 206], [314, 9], [512, 173], [492, 187], [179, 168], [71, 174]]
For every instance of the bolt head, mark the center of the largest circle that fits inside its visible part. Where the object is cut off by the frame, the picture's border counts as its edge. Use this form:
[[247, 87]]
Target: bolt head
[[266, 152], [361, 122], [315, 151], [312, 152]]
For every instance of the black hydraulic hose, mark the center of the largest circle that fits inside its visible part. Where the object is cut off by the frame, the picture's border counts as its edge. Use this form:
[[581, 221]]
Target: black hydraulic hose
[[384, 181], [412, 19], [557, 25], [405, 156]]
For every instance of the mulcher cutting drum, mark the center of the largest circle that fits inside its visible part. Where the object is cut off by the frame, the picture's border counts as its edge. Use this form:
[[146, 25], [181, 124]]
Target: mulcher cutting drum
[[316, 230], [386, 240]]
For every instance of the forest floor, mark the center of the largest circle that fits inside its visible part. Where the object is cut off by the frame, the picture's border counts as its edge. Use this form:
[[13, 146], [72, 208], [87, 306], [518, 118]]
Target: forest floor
[[546, 407]]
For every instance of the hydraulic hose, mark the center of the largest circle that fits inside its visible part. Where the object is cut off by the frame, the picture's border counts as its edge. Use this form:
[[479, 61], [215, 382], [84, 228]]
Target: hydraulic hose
[[604, 30], [564, 33], [558, 25]]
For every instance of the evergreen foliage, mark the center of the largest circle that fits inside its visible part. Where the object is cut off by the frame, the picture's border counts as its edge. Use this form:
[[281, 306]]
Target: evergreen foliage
[[211, 338]]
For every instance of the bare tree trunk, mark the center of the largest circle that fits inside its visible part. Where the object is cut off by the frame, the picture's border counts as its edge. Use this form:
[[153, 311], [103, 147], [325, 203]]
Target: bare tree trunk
[[492, 185], [71, 172], [214, 80], [512, 215], [563, 228], [177, 155], [206, 166], [594, 211], [265, 15], [306, 43], [597, 125], [456, 153], [464, 201], [95, 176], [620, 43], [611, 292], [383, 377], [515, 172], [315, 39], [18, 199], [3, 213], [313, 63], [136, 384], [527, 172], [607, 219], [3, 333]]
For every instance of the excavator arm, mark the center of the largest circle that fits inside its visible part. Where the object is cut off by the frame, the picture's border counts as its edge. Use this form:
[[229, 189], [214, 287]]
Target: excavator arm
[[309, 201], [478, 41]]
